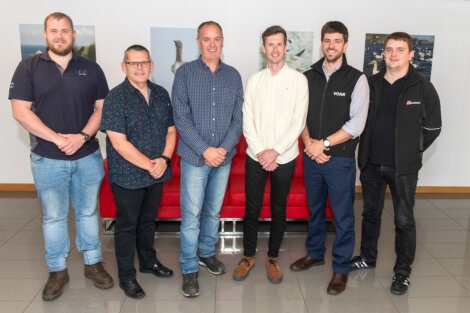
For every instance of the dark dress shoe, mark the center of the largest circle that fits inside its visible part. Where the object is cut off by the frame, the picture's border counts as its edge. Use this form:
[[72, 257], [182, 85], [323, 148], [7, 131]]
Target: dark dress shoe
[[132, 289], [337, 284], [158, 269], [305, 263]]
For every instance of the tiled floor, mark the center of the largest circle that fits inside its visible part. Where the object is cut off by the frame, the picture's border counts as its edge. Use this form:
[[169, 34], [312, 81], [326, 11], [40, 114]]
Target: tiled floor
[[440, 279]]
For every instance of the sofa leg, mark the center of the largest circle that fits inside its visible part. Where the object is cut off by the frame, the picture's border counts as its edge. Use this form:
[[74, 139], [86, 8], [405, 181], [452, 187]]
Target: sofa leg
[[222, 226], [234, 226]]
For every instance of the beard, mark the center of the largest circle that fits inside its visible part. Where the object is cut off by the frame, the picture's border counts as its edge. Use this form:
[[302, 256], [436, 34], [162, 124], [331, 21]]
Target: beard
[[333, 58], [63, 51]]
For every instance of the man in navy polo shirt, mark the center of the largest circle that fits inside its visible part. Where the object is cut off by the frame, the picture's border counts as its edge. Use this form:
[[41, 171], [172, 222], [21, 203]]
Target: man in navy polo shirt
[[138, 120], [57, 97]]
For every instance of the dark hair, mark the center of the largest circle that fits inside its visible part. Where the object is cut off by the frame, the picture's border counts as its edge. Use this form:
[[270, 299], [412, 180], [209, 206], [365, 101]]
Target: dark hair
[[335, 27], [400, 36], [273, 30], [207, 23], [135, 48], [57, 16]]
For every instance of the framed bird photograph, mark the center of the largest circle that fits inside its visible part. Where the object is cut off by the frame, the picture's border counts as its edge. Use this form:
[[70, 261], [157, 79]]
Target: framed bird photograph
[[299, 53], [170, 48], [423, 46]]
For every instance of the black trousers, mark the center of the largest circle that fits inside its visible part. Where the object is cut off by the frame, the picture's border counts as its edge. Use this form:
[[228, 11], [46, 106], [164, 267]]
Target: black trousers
[[374, 179], [255, 181], [135, 227]]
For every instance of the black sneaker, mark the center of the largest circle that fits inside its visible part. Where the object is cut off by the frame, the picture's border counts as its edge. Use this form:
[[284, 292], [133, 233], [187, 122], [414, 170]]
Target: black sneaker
[[400, 283], [213, 265], [358, 263], [190, 286]]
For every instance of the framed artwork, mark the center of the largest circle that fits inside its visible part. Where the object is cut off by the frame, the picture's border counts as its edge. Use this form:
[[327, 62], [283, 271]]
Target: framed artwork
[[299, 54], [32, 40], [171, 48], [423, 45]]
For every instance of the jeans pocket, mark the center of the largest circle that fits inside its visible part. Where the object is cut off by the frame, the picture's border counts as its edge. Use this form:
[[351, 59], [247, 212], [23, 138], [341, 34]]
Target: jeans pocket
[[36, 158]]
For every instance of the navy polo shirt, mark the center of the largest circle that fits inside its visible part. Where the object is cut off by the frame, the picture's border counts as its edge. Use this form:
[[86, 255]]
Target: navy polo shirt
[[145, 125], [63, 101]]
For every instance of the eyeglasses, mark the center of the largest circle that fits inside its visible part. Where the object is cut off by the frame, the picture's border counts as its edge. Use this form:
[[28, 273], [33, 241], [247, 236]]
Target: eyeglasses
[[136, 64]]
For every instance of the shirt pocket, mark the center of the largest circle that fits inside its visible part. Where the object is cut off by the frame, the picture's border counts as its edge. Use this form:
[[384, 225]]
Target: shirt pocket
[[227, 98]]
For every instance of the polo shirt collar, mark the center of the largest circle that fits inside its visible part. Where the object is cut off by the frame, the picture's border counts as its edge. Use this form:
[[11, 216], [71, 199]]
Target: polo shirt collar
[[45, 55]]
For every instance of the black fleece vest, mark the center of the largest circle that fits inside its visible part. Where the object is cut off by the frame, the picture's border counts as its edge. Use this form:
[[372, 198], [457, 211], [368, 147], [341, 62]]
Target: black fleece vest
[[329, 104]]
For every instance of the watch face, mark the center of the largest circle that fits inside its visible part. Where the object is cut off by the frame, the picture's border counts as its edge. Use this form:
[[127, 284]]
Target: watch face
[[86, 137], [326, 143]]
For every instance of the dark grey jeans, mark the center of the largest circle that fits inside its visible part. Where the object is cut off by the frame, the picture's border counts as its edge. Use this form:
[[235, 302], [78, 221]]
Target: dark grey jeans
[[374, 179]]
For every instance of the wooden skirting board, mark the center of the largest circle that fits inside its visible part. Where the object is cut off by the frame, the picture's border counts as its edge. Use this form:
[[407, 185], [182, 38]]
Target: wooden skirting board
[[419, 189]]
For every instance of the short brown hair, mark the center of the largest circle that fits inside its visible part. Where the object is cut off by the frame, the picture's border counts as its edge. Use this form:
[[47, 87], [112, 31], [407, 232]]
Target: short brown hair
[[207, 23], [58, 16], [332, 27], [400, 36], [273, 30], [135, 48]]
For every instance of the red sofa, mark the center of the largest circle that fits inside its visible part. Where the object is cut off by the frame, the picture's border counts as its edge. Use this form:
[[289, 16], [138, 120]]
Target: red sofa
[[233, 207]]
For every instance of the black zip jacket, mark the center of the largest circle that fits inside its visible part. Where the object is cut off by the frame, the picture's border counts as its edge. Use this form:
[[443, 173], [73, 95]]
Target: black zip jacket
[[329, 103], [418, 121]]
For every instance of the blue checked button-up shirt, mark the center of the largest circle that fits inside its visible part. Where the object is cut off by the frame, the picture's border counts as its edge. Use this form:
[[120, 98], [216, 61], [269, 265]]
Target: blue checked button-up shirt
[[207, 109]]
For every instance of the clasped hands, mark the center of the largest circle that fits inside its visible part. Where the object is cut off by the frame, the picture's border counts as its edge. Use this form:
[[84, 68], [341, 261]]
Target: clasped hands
[[157, 168], [214, 157], [267, 159], [69, 143], [315, 150]]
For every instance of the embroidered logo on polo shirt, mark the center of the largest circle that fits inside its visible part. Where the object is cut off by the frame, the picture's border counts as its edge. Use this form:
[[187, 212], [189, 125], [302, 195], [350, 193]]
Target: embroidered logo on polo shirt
[[12, 85], [410, 102], [82, 72], [339, 94]]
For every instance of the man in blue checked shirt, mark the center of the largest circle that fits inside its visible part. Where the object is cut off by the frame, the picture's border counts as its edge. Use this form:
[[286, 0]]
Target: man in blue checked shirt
[[207, 101]]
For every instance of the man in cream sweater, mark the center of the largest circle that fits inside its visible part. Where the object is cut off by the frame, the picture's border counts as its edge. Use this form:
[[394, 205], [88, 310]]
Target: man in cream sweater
[[274, 114]]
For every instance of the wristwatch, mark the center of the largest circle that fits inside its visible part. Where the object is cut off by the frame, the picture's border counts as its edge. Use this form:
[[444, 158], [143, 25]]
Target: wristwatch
[[326, 144], [85, 136], [167, 159]]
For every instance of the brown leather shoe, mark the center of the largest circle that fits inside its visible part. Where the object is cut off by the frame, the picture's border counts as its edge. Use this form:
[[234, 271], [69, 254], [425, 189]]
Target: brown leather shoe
[[305, 263], [55, 284], [101, 279], [243, 268], [273, 270], [337, 284]]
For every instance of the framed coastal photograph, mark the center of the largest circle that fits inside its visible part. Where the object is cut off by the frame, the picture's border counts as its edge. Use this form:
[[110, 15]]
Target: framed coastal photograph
[[32, 40], [299, 54], [423, 45], [170, 48]]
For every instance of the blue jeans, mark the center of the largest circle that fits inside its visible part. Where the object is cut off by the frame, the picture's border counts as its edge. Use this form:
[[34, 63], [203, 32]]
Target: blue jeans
[[202, 194], [336, 179], [58, 182]]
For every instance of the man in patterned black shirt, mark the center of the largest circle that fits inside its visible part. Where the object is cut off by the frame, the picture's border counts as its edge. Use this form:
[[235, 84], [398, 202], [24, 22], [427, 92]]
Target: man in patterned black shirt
[[207, 100], [141, 138]]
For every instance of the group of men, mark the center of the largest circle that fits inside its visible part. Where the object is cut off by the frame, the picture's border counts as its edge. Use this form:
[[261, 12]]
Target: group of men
[[62, 100]]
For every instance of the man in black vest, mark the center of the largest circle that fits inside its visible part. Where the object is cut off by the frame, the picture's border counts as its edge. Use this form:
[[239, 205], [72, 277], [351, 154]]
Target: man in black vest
[[338, 103], [392, 155]]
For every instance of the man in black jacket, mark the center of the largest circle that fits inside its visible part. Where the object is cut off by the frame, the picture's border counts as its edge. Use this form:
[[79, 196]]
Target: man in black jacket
[[404, 119], [337, 112]]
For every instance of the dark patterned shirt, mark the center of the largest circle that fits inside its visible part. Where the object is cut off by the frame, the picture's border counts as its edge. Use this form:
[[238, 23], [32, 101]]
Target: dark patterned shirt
[[207, 109], [145, 125]]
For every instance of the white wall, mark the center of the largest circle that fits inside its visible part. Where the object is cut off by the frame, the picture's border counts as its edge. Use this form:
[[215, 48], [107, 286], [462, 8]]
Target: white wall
[[119, 24]]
